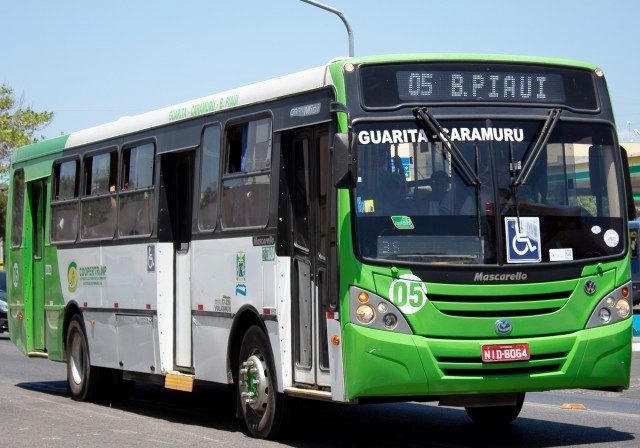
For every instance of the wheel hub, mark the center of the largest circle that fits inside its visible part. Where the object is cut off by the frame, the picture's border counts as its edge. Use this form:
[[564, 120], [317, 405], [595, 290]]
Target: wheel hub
[[254, 384], [77, 360]]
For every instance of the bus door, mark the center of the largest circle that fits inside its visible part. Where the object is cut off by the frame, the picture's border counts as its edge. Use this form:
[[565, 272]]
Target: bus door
[[177, 174], [37, 194], [306, 155]]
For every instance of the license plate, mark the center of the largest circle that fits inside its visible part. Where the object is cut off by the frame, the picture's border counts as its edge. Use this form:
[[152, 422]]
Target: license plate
[[505, 352]]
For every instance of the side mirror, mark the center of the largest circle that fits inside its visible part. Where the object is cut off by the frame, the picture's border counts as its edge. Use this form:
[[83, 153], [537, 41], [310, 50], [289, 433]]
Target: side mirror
[[631, 206], [344, 162]]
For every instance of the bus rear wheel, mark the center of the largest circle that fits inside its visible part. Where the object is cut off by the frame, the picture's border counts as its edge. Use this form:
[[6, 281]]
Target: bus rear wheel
[[83, 379], [261, 405], [496, 415]]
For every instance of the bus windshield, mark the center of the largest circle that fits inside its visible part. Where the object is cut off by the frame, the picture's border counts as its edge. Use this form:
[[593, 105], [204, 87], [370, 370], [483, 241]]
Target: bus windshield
[[414, 204]]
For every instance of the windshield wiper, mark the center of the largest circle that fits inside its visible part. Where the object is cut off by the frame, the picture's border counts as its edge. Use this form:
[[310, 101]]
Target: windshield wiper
[[432, 125], [531, 158]]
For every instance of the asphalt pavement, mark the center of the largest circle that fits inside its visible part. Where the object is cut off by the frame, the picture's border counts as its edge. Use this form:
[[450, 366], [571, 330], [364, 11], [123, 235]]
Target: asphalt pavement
[[36, 412]]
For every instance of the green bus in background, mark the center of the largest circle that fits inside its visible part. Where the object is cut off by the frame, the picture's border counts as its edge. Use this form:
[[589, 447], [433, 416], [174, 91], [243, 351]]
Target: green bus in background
[[445, 228]]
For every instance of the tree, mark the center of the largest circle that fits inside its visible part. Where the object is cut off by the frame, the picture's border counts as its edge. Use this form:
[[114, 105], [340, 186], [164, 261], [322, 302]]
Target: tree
[[18, 127]]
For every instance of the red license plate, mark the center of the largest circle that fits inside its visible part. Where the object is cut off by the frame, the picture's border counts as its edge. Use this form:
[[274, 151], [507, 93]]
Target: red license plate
[[505, 352]]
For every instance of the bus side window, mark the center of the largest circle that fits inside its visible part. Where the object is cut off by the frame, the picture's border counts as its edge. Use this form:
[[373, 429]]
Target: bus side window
[[17, 209], [98, 212], [64, 205], [135, 217], [209, 167], [246, 183]]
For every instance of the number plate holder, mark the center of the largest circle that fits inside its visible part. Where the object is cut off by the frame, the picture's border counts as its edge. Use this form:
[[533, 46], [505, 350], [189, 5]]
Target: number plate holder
[[505, 352]]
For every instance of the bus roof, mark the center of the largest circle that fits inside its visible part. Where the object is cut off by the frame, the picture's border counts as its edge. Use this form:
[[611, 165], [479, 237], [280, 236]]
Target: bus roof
[[306, 80]]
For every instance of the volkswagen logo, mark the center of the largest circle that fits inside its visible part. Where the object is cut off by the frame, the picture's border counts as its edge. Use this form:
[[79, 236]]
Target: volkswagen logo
[[503, 326], [590, 287]]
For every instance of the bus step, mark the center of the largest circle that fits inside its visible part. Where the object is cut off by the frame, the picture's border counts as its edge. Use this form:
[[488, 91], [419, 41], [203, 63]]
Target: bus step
[[308, 393], [38, 355], [179, 381]]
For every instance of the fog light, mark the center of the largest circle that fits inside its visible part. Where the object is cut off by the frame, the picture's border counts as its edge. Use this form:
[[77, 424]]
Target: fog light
[[365, 313], [382, 308], [604, 314], [623, 308], [610, 302], [390, 321]]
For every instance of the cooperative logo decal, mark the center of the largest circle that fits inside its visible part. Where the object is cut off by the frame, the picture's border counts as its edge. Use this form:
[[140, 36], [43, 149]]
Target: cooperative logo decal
[[72, 276], [16, 275]]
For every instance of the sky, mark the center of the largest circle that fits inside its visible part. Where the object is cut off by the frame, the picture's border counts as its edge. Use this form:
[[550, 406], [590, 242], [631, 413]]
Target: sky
[[93, 62]]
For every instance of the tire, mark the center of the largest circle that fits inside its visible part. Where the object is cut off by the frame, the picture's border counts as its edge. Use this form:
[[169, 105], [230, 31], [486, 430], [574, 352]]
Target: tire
[[84, 380], [261, 406], [496, 415]]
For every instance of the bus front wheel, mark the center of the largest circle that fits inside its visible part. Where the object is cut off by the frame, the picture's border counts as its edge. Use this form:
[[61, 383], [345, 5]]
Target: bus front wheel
[[261, 405], [82, 378], [496, 415]]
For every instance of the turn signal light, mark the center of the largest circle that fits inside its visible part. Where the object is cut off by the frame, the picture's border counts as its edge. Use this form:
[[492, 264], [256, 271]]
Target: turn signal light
[[363, 297], [625, 292]]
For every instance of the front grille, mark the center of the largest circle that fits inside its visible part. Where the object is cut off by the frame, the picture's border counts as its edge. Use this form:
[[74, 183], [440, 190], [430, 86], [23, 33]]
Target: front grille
[[498, 306], [474, 367], [488, 373]]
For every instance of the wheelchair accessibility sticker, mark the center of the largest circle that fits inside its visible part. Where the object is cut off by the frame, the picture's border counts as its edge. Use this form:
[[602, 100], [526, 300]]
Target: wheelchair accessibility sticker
[[523, 243]]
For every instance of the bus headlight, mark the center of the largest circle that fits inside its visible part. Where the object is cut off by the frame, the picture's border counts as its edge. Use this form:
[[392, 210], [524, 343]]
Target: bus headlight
[[365, 313], [390, 321], [623, 308], [605, 315], [371, 310], [613, 308]]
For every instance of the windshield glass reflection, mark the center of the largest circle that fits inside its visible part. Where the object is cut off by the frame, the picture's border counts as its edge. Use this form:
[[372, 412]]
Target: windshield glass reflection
[[412, 204]]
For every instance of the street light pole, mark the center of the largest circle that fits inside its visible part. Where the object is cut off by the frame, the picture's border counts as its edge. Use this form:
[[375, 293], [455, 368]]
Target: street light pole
[[342, 17]]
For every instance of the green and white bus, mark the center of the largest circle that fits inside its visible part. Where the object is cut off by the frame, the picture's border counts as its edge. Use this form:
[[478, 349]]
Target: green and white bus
[[446, 228]]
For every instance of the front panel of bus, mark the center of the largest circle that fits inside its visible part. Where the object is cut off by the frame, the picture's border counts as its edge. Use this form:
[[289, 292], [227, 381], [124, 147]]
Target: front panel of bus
[[483, 242]]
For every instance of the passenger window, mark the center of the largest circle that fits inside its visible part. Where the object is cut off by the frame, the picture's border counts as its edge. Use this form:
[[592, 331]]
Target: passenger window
[[98, 212], [246, 185], [64, 206], [65, 180], [101, 173], [137, 198], [137, 165], [209, 166], [249, 146], [17, 209]]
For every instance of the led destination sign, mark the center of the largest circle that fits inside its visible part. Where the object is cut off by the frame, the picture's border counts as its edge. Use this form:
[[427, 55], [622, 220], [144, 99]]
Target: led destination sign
[[472, 86], [393, 85]]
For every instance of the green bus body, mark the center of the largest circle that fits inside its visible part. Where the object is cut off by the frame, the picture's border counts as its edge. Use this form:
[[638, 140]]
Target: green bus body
[[442, 356]]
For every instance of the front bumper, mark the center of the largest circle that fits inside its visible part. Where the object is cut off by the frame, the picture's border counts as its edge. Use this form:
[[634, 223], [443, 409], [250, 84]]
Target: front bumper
[[385, 364]]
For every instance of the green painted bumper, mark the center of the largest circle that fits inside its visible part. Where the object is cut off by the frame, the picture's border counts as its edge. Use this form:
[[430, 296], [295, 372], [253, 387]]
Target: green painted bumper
[[382, 364]]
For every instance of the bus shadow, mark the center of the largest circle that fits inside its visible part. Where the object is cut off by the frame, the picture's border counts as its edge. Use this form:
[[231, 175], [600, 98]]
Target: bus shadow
[[317, 424], [47, 387], [414, 424]]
